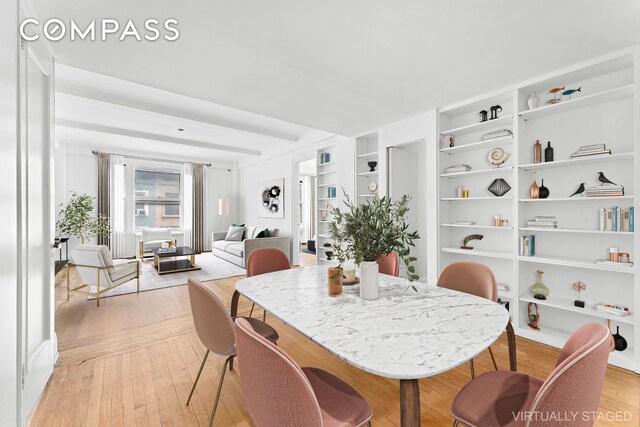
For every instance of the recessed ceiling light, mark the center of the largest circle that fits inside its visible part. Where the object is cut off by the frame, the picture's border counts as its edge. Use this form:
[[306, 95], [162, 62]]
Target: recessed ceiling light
[[180, 130]]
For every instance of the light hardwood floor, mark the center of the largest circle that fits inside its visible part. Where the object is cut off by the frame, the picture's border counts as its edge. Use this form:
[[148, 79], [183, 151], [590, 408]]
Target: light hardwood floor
[[133, 360]]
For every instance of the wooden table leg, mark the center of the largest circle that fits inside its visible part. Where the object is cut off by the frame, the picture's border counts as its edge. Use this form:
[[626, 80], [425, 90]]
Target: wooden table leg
[[409, 403], [511, 340], [234, 304]]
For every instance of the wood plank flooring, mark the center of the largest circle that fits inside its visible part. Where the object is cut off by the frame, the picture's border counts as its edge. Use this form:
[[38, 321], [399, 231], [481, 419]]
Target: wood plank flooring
[[132, 362]]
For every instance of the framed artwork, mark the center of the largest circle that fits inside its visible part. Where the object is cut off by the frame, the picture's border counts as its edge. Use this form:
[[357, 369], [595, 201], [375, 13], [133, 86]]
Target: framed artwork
[[271, 199]]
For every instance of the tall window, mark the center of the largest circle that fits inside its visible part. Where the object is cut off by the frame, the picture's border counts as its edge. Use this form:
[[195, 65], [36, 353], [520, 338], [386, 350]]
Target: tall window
[[157, 198]]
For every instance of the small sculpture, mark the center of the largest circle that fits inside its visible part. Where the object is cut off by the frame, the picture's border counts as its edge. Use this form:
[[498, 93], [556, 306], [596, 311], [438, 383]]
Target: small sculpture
[[498, 156], [580, 190], [579, 286], [537, 152], [548, 153], [534, 191], [555, 91], [494, 111], [543, 192], [571, 91], [533, 316], [499, 187], [483, 116], [532, 102], [470, 238], [538, 289], [372, 166], [603, 179]]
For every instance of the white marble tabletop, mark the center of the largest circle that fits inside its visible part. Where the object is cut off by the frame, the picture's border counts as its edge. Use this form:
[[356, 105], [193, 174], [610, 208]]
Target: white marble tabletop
[[401, 335]]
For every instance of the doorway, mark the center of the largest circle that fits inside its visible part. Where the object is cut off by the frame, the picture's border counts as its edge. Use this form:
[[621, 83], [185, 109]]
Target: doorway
[[306, 213]]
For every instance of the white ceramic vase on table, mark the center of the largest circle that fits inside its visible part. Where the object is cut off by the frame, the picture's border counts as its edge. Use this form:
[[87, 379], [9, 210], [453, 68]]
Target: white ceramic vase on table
[[532, 102], [369, 280]]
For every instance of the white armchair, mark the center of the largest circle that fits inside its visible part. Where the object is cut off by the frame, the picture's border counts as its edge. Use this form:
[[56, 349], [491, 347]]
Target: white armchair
[[96, 267], [153, 238]]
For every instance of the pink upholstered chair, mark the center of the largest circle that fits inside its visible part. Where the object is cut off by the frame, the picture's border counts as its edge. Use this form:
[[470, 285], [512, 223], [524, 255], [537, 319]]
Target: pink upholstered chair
[[266, 260], [504, 398], [476, 279], [215, 329], [389, 264], [279, 393]]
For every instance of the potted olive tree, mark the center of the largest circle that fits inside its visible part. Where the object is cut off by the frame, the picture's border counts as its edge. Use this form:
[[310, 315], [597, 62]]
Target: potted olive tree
[[77, 219], [369, 230]]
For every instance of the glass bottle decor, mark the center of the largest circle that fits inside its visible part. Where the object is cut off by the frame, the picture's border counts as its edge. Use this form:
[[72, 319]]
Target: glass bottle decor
[[548, 153], [538, 289], [537, 152], [543, 191]]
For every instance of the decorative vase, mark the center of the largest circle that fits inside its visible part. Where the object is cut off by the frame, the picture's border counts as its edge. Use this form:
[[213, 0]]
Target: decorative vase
[[543, 191], [619, 340], [372, 166], [335, 281], [499, 187], [539, 290], [548, 153], [537, 152], [532, 102], [369, 280], [534, 191], [533, 314]]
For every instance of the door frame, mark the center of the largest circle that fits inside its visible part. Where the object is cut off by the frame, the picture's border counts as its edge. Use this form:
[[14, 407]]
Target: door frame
[[295, 174]]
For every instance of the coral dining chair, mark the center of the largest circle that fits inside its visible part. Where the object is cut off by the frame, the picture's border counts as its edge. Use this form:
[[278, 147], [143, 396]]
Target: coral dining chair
[[214, 327], [278, 392], [389, 264], [573, 389], [266, 260], [476, 279]]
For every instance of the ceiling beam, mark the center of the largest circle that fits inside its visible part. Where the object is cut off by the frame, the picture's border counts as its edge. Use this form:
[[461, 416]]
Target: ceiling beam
[[153, 137], [149, 107]]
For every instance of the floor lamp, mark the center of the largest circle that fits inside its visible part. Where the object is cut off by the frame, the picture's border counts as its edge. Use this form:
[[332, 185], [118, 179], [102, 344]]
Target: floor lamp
[[223, 208]]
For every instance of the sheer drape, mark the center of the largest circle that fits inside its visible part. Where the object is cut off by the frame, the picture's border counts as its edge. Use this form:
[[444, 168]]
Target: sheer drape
[[187, 203], [117, 214], [104, 192]]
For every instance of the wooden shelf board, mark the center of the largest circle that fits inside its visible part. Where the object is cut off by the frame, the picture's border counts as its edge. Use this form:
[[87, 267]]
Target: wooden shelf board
[[477, 252], [489, 227], [477, 127], [575, 230], [476, 172], [575, 263], [567, 304], [579, 161], [502, 141]]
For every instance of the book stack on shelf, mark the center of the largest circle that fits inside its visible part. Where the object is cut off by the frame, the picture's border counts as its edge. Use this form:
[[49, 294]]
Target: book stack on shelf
[[527, 245], [457, 168], [605, 191], [617, 219], [613, 309], [543, 221], [591, 150]]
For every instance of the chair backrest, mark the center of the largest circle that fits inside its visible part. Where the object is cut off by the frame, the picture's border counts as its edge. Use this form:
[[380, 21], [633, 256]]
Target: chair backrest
[[211, 318], [267, 260], [389, 264], [150, 234], [276, 390], [575, 385], [93, 256], [471, 278]]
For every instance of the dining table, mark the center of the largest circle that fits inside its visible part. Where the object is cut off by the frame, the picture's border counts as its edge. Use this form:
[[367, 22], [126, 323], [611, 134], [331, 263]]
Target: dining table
[[405, 334]]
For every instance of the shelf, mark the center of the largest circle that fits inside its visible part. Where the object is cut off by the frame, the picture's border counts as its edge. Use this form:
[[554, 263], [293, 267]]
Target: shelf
[[325, 173], [368, 173], [476, 172], [481, 253], [324, 236], [325, 222], [490, 227], [505, 140], [567, 304], [368, 155], [575, 230], [576, 199], [325, 164], [325, 209], [324, 248], [326, 185], [477, 127], [461, 199], [575, 263], [580, 102], [366, 195], [579, 161], [326, 198]]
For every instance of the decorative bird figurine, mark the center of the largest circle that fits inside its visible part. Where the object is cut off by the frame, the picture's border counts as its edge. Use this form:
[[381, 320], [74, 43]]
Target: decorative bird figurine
[[571, 91], [580, 190], [604, 180]]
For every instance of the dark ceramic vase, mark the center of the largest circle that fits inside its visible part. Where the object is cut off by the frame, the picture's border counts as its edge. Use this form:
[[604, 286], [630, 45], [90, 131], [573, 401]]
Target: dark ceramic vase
[[620, 342], [543, 192], [372, 166]]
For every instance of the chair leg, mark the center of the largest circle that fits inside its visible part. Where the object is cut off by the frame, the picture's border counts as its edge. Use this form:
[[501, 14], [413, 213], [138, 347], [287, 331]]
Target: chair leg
[[511, 339], [456, 423], [231, 365], [264, 315], [493, 359], [197, 376], [473, 371], [68, 271], [252, 307], [215, 403]]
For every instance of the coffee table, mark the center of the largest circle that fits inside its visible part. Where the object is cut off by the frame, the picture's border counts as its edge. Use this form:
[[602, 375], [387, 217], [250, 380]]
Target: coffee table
[[183, 259]]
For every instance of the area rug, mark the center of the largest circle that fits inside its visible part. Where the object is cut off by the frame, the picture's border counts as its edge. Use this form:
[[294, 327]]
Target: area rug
[[212, 268]]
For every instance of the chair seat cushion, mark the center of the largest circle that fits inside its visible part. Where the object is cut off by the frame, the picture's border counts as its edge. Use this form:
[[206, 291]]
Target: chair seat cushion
[[233, 248], [263, 329], [340, 404], [153, 244], [492, 399], [122, 271]]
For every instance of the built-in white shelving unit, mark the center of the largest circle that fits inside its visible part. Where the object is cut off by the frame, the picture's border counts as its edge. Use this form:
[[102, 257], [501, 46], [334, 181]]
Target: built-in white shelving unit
[[366, 147], [604, 111], [326, 186]]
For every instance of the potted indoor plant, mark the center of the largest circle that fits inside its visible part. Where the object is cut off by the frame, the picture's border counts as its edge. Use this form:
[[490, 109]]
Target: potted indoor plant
[[77, 219], [369, 230]]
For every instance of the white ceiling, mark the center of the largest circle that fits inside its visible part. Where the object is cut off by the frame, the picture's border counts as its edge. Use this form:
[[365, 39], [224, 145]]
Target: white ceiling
[[347, 66]]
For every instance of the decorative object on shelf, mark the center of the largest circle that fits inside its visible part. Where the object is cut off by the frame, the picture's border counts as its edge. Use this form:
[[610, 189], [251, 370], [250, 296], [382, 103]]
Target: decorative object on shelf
[[602, 190], [623, 257], [459, 191], [373, 186], [548, 153], [615, 310], [532, 102], [537, 152], [494, 111], [457, 169], [334, 281], [331, 192], [528, 245], [349, 277], [579, 287], [504, 223], [497, 134], [465, 194], [329, 255], [324, 215], [372, 166], [533, 314], [272, 199], [468, 239], [534, 191], [543, 191], [543, 221], [499, 187], [325, 158], [570, 92], [326, 244], [328, 205], [366, 231], [614, 254], [604, 180], [555, 91], [579, 191], [620, 343], [447, 141], [497, 220], [498, 156], [591, 150], [483, 116], [538, 289]]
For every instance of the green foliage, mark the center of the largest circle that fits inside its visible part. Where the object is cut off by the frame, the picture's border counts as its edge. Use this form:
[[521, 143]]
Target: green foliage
[[76, 219], [365, 232]]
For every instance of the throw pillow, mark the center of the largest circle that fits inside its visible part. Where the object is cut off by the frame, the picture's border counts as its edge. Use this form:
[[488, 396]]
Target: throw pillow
[[237, 225], [263, 233], [235, 234]]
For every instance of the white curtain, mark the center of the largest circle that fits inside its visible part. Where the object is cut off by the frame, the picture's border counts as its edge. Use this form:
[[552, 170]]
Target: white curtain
[[187, 203], [309, 207], [117, 209]]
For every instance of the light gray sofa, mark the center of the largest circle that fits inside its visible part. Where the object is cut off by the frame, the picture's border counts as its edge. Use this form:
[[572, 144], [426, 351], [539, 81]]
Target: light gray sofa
[[238, 252]]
